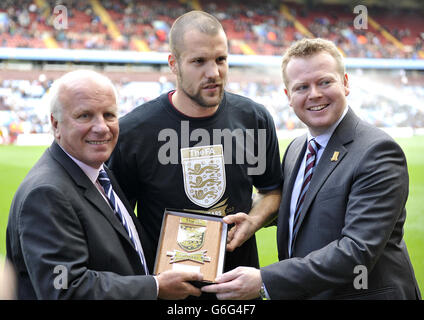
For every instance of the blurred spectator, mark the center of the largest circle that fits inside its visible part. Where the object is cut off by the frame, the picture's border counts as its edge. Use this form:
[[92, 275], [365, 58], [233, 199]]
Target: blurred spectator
[[385, 99], [263, 28]]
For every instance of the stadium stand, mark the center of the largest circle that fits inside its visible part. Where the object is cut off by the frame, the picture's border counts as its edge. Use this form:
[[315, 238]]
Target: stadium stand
[[386, 98], [389, 99], [267, 29]]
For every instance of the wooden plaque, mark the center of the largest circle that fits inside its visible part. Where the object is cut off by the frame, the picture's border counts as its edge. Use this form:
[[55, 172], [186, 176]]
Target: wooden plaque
[[192, 242]]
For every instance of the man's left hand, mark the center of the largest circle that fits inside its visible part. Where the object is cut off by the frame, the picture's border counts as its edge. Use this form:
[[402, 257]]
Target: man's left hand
[[242, 283]]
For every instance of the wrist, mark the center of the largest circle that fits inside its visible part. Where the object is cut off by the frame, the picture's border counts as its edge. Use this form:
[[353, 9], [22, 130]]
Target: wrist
[[256, 221]]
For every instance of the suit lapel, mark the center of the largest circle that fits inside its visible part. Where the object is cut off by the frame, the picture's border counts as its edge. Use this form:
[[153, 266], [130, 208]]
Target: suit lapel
[[291, 164], [89, 191], [321, 173], [343, 135]]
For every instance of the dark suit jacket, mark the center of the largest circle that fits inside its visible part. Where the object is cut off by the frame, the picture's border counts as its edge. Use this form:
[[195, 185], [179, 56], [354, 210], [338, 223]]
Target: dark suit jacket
[[62, 234], [353, 215]]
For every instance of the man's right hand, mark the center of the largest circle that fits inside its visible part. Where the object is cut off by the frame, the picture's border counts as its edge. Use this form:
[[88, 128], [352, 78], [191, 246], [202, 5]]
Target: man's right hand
[[173, 284]]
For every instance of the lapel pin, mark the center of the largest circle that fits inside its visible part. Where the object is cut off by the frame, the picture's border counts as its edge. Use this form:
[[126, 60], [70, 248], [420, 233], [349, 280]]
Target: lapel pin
[[335, 156]]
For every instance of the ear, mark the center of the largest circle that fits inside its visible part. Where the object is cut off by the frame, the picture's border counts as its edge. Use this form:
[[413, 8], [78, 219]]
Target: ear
[[346, 84], [288, 95], [55, 126], [172, 63]]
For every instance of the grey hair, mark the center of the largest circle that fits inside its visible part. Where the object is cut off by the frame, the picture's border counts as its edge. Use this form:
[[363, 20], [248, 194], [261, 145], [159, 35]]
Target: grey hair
[[54, 93]]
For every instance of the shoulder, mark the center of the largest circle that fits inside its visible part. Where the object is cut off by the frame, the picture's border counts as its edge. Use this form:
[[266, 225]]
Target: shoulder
[[40, 193], [369, 137], [359, 135], [372, 150], [54, 169], [367, 131], [47, 175]]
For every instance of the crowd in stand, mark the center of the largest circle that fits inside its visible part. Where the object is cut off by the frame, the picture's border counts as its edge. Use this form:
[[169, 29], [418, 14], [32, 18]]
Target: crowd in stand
[[23, 105], [263, 28]]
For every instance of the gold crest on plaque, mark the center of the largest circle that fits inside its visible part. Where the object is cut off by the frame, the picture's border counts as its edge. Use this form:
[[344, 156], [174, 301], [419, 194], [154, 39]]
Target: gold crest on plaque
[[191, 234], [191, 237]]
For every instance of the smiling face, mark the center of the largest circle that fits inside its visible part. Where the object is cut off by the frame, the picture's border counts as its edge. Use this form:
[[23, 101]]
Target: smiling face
[[316, 90], [88, 129], [201, 71]]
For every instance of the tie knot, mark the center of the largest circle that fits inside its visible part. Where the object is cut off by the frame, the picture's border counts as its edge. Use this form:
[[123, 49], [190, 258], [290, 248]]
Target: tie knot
[[104, 179], [313, 146]]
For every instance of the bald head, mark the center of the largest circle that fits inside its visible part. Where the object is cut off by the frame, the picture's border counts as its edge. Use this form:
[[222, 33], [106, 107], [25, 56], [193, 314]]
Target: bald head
[[193, 20]]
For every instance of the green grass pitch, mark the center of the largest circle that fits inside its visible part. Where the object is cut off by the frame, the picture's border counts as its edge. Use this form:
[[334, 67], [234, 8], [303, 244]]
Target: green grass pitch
[[16, 161]]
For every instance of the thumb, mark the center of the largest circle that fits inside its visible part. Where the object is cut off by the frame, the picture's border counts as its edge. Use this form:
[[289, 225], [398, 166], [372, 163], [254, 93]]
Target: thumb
[[192, 276]]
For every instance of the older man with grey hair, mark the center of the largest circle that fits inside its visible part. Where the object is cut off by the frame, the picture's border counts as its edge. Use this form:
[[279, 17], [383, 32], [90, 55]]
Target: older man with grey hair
[[71, 232]]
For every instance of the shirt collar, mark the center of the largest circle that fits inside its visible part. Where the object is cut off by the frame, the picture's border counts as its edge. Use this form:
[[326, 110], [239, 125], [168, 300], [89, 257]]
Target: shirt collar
[[92, 173], [323, 139]]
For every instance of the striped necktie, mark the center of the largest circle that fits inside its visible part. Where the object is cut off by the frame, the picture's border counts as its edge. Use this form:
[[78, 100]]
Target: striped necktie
[[311, 156], [110, 194]]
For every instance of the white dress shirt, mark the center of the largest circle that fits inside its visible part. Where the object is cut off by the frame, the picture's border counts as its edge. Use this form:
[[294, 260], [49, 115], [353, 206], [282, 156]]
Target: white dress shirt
[[322, 140]]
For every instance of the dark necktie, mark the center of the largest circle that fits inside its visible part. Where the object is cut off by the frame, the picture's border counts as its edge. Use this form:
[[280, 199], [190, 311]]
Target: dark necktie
[[110, 194], [311, 156]]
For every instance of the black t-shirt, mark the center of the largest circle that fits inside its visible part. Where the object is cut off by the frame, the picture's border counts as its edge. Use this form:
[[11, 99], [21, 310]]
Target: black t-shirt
[[147, 163]]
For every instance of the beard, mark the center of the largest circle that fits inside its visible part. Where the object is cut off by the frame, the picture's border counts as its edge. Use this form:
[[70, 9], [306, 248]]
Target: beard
[[196, 94], [202, 101]]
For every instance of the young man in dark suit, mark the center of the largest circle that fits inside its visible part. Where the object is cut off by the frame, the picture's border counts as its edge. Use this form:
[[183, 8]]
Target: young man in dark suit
[[340, 222]]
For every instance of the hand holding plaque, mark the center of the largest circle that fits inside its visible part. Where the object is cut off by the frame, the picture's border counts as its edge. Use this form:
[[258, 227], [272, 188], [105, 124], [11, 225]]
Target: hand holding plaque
[[192, 242]]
